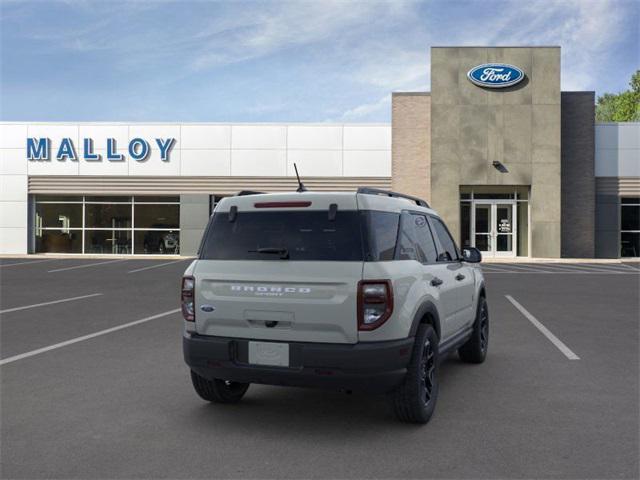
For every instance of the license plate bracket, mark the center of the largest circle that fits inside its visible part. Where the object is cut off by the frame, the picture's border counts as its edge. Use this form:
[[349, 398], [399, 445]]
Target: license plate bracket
[[274, 354]]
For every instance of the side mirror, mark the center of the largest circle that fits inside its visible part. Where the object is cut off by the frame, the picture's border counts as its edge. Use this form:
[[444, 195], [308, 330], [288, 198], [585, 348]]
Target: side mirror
[[471, 255]]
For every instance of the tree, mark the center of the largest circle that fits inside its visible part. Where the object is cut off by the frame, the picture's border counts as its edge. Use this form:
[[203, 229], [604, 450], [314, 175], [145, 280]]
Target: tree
[[621, 107]]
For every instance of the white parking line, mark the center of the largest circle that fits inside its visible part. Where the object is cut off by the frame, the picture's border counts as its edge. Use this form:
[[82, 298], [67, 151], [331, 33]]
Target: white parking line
[[154, 266], [15, 309], [15, 358], [86, 265], [544, 330], [28, 262]]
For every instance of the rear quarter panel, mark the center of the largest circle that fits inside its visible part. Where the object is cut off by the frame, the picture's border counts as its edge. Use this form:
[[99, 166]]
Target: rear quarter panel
[[410, 281]]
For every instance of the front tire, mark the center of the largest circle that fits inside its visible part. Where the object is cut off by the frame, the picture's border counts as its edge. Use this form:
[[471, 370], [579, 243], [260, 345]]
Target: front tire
[[475, 349], [218, 391], [415, 400]]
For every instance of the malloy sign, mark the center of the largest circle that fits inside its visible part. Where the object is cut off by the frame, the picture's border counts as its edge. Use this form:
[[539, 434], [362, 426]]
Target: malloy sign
[[495, 75], [40, 149]]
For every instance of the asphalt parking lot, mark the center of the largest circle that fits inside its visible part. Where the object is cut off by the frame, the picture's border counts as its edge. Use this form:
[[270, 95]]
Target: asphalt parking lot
[[93, 385]]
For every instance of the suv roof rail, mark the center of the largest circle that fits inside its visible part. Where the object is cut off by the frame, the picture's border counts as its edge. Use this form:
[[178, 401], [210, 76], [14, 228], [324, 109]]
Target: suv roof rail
[[388, 193], [243, 193]]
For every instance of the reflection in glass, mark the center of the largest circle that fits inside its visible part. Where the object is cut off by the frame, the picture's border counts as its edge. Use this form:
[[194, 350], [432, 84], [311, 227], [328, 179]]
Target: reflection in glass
[[630, 217], [157, 216], [630, 244], [465, 224], [483, 242], [59, 215], [483, 212], [107, 241], [503, 243], [107, 215], [157, 242], [58, 241]]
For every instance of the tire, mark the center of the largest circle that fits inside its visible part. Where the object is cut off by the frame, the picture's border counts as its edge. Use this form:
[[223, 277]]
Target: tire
[[218, 391], [415, 400], [475, 349]]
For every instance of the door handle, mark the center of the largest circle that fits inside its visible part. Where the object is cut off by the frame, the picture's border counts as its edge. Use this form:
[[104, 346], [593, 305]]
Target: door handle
[[460, 277], [436, 282]]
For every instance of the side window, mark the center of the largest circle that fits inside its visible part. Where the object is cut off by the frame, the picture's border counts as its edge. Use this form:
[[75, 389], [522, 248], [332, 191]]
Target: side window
[[415, 241], [450, 252], [380, 230]]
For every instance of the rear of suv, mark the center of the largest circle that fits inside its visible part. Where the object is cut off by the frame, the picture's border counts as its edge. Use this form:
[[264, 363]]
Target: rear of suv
[[361, 291]]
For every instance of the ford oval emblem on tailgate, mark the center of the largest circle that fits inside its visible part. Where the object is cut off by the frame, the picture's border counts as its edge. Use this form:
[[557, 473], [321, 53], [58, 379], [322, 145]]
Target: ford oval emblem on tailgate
[[207, 308]]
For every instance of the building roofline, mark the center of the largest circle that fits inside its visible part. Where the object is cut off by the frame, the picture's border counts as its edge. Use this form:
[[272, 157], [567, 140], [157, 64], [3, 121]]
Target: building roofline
[[399, 94], [495, 46], [223, 124]]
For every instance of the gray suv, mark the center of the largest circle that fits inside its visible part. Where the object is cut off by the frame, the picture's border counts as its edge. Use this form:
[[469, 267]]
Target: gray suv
[[363, 291]]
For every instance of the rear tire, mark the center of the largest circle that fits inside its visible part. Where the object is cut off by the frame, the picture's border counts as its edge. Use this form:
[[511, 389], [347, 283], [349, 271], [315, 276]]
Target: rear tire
[[218, 391], [415, 400], [475, 349]]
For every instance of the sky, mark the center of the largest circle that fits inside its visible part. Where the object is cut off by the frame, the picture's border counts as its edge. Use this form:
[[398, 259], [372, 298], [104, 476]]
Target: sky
[[279, 61]]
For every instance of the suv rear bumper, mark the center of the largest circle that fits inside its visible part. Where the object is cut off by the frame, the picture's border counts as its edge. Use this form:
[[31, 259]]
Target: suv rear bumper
[[375, 367]]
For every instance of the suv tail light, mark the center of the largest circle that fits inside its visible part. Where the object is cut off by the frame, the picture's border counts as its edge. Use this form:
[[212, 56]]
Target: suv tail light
[[375, 303], [187, 298]]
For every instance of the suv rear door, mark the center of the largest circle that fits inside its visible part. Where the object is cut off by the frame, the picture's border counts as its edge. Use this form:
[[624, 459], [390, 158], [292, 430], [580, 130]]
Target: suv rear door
[[284, 271]]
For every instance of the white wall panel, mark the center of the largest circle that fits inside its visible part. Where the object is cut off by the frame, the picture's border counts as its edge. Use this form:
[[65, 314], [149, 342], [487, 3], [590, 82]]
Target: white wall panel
[[314, 137], [367, 137], [606, 136], [13, 136], [13, 240], [151, 132], [618, 150], [205, 163], [315, 163], [205, 136], [258, 136], [13, 188], [152, 165], [371, 163], [13, 161], [100, 133], [629, 135], [629, 162], [257, 163], [104, 166], [54, 132], [13, 214], [52, 167]]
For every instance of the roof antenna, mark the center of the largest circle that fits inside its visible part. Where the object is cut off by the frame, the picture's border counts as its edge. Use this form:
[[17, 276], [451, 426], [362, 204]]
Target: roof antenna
[[301, 187]]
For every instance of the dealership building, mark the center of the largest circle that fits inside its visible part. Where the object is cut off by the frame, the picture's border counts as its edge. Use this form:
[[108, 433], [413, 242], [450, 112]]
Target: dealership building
[[517, 167]]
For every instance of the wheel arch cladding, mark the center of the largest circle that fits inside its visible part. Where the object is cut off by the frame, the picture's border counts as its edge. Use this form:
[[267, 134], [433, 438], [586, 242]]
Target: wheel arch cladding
[[426, 314]]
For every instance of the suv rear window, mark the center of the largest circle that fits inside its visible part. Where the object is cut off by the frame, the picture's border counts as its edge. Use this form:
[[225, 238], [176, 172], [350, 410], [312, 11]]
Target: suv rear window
[[308, 235]]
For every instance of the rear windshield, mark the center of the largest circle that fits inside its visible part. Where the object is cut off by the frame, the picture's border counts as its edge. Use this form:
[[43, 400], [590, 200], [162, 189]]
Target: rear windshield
[[308, 235], [296, 235]]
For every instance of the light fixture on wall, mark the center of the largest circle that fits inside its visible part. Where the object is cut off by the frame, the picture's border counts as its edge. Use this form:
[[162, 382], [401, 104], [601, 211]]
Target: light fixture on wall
[[500, 167]]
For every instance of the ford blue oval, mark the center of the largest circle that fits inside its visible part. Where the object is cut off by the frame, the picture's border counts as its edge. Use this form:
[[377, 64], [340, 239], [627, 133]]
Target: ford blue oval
[[495, 75]]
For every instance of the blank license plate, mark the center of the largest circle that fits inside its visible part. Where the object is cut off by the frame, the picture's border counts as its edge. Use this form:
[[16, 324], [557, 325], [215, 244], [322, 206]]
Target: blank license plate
[[268, 353]]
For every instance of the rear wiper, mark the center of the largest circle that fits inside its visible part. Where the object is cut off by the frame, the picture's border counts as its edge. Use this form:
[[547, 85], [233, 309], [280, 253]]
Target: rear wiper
[[283, 252]]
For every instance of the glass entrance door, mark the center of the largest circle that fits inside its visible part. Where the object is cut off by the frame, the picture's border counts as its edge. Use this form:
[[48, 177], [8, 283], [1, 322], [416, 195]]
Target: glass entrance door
[[494, 226]]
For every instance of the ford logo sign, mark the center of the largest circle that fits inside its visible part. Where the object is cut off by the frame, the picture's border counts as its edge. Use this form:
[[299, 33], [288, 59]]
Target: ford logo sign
[[207, 308], [495, 75]]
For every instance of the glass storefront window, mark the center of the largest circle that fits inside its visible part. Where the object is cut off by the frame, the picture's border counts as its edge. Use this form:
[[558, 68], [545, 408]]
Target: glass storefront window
[[107, 241], [107, 199], [157, 216], [111, 224], [155, 199], [156, 242], [105, 215], [630, 227], [58, 241], [59, 215]]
